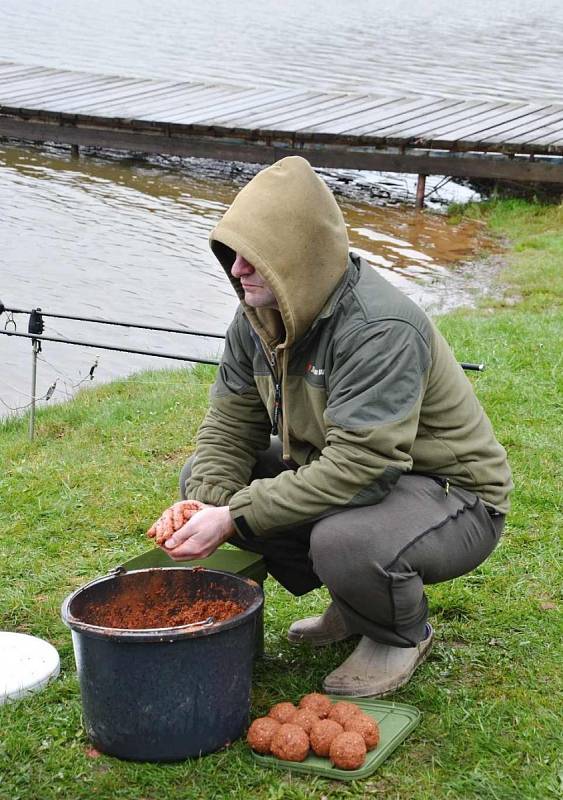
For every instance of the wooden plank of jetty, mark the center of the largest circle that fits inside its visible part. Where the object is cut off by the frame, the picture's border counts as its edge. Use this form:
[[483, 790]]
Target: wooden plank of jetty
[[538, 127], [200, 113], [449, 128], [492, 127], [382, 108], [424, 134], [195, 96]]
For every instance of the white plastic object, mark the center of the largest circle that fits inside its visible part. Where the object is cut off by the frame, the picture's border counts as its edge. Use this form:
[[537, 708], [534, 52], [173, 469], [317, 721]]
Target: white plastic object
[[27, 664]]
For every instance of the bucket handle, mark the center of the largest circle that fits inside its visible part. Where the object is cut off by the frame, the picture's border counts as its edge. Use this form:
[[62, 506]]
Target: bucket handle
[[204, 623]]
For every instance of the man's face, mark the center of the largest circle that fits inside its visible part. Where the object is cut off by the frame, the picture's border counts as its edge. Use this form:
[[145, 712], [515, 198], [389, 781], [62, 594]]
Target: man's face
[[257, 292]]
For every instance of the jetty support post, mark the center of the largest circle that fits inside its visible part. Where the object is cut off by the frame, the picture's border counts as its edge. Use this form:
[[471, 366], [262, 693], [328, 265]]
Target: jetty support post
[[420, 189]]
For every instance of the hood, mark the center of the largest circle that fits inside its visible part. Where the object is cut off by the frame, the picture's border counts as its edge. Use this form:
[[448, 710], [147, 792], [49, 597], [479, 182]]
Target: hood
[[287, 224]]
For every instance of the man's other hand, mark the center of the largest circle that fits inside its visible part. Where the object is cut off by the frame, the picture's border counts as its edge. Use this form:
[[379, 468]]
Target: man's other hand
[[201, 535], [173, 519]]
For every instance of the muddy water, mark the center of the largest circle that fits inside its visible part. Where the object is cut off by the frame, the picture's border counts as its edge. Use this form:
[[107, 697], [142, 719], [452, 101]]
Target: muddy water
[[510, 49], [127, 240]]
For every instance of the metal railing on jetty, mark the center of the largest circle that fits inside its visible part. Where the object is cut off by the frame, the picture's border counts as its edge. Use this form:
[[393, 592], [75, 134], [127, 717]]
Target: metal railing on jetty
[[36, 327]]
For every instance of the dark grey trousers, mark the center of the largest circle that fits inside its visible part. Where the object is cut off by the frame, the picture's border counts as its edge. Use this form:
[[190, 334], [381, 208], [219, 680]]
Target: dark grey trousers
[[375, 560]]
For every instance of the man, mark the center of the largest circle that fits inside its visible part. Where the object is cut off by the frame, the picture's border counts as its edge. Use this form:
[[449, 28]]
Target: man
[[385, 474]]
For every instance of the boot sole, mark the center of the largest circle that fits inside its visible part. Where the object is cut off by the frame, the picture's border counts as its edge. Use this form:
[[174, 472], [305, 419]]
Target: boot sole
[[321, 641], [364, 691]]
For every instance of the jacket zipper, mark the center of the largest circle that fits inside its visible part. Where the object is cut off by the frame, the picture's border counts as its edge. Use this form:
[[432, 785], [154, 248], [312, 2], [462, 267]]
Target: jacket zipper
[[277, 391], [277, 408]]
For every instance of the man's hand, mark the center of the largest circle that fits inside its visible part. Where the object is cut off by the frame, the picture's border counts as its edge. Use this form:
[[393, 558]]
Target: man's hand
[[201, 535], [173, 519]]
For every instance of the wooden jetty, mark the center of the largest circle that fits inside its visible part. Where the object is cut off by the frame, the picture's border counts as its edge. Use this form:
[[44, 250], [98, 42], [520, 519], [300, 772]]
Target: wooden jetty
[[425, 135]]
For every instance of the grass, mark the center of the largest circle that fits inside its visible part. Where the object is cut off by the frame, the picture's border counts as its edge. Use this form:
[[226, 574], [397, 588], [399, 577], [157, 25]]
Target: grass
[[76, 502]]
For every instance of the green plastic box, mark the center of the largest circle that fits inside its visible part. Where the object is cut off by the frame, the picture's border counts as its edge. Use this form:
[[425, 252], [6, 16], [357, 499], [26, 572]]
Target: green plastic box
[[238, 562]]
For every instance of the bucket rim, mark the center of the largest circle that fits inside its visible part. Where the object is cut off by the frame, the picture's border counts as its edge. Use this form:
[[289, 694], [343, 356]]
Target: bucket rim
[[144, 635]]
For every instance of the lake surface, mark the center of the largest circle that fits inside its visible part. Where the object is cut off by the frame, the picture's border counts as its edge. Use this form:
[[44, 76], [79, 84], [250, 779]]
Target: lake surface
[[507, 49], [127, 240]]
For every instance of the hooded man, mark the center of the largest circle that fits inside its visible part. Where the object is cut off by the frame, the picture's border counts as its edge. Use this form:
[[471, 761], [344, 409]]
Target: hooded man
[[384, 473]]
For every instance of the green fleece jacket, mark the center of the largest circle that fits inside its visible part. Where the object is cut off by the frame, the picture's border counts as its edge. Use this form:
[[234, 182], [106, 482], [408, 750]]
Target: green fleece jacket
[[350, 372]]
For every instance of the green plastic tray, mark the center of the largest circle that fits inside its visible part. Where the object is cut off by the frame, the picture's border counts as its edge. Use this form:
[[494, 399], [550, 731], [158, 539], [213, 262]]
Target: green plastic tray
[[395, 720]]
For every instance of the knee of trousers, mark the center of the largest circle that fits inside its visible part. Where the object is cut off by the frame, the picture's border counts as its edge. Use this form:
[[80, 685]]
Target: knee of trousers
[[325, 548], [343, 559], [351, 571]]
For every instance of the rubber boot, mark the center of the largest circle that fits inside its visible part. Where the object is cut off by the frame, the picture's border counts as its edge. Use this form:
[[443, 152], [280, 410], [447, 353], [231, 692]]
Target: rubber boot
[[375, 669], [326, 629]]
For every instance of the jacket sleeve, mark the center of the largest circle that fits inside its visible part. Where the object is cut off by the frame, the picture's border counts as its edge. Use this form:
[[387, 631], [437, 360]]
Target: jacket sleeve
[[375, 387], [235, 426]]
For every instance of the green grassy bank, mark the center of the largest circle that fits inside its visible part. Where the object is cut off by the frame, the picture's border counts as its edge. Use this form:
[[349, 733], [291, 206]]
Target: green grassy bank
[[76, 502]]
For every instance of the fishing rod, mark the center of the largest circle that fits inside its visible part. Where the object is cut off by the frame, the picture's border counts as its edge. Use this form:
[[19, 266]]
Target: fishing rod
[[470, 366], [35, 333], [136, 351], [119, 323], [466, 365]]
